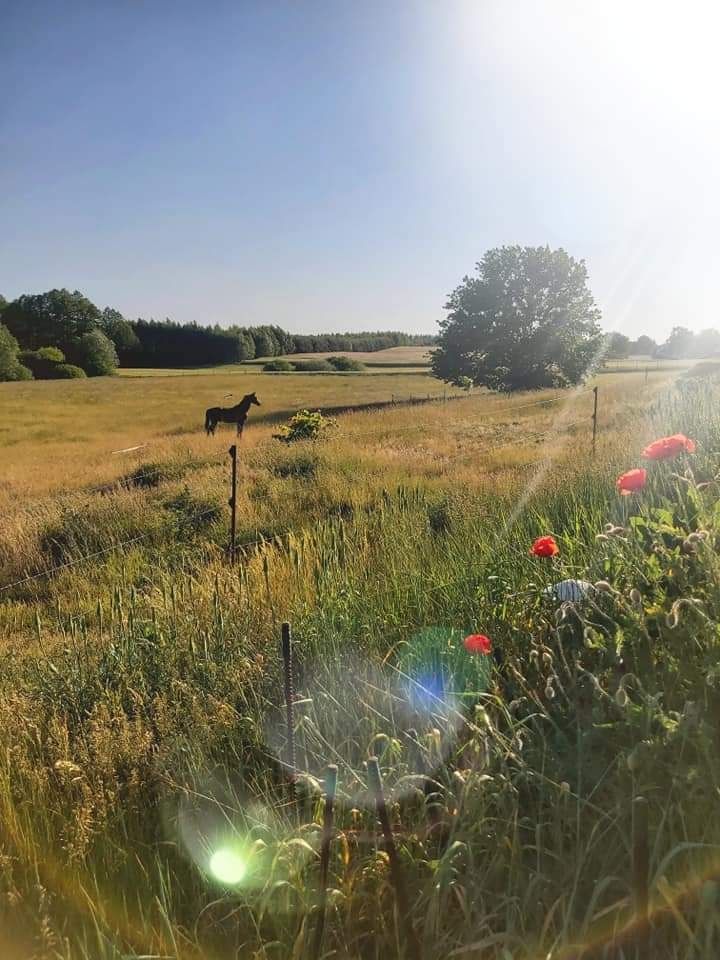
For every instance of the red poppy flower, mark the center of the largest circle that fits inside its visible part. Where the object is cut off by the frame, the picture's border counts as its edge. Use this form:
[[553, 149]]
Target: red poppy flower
[[668, 447], [545, 547], [478, 643], [632, 481]]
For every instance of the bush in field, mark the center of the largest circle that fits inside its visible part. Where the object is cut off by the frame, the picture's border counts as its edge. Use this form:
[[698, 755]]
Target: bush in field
[[68, 371], [95, 353], [10, 366], [312, 366], [346, 364], [278, 366], [43, 362], [305, 425]]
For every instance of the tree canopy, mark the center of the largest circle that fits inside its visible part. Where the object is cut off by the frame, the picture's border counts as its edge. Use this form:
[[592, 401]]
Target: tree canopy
[[527, 320], [66, 321], [617, 346]]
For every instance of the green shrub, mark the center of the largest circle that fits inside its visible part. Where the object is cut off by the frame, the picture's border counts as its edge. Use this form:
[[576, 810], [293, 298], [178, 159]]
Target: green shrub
[[346, 364], [312, 366], [50, 354], [18, 371], [11, 367], [48, 363], [68, 371], [278, 366], [305, 425], [96, 354]]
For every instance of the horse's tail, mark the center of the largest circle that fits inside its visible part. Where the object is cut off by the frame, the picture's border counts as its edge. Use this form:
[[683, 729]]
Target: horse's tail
[[208, 422]]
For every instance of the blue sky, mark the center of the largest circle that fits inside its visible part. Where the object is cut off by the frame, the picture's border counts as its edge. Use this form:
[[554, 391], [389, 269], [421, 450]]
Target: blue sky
[[341, 165]]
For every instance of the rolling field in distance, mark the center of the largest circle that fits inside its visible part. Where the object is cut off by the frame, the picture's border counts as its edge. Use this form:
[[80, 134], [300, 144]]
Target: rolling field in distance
[[394, 359]]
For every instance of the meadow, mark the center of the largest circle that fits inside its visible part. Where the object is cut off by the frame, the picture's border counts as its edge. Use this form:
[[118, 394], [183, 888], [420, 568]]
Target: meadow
[[535, 795]]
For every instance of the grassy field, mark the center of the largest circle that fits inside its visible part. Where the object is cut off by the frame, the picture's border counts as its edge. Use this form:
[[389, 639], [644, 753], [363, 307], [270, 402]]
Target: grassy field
[[144, 807], [394, 359], [61, 434]]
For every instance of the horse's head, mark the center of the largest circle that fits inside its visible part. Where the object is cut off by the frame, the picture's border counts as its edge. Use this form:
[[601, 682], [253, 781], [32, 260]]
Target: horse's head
[[253, 399]]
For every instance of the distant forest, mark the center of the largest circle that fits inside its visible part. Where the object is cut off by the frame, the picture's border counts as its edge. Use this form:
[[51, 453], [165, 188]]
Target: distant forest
[[169, 344], [61, 334]]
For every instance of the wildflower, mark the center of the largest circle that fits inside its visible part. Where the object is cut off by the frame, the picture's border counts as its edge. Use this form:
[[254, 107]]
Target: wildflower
[[668, 447], [545, 547], [632, 481], [478, 643]]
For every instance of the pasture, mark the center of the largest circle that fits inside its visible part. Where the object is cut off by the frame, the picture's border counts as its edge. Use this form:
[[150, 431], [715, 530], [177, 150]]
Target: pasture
[[145, 809]]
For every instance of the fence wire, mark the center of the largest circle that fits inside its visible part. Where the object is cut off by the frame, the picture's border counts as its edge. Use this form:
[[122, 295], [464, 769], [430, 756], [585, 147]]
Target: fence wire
[[128, 483]]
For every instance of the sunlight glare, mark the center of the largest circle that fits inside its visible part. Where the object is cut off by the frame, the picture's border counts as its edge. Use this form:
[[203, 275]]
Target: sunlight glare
[[227, 866]]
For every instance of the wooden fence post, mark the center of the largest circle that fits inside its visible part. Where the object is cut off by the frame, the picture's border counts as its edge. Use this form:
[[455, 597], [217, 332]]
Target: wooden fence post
[[233, 501]]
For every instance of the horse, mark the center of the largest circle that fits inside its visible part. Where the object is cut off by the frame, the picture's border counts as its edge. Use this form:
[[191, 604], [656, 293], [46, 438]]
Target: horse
[[237, 414]]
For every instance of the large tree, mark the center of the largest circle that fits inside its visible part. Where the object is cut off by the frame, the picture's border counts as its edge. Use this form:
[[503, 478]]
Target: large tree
[[116, 328], [527, 320], [680, 344], [644, 346], [707, 343], [617, 346]]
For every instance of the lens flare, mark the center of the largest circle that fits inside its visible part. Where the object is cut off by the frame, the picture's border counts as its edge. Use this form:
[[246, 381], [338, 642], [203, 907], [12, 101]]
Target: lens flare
[[227, 866]]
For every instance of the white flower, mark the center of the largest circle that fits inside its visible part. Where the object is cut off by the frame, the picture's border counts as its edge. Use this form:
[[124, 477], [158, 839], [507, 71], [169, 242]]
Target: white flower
[[568, 590]]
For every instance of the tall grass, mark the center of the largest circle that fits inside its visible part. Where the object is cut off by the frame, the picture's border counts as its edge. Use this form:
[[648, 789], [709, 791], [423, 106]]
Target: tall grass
[[142, 728]]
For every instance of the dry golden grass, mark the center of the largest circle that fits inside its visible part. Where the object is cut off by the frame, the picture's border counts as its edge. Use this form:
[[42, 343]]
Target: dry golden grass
[[482, 443], [59, 435]]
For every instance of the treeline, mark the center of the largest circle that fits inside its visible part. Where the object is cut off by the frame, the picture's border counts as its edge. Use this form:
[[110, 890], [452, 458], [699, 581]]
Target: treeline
[[680, 345], [169, 344], [63, 334]]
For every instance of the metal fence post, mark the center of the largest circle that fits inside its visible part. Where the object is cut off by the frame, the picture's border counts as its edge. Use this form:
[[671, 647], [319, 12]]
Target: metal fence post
[[286, 643]]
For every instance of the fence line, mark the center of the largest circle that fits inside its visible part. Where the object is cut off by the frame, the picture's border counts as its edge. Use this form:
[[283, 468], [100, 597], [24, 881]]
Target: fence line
[[50, 571], [128, 482]]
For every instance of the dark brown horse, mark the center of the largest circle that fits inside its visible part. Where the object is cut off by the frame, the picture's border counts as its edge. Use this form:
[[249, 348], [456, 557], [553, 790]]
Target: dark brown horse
[[237, 414]]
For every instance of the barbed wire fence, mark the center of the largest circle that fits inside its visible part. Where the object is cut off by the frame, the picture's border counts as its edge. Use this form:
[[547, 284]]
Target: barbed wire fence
[[134, 480]]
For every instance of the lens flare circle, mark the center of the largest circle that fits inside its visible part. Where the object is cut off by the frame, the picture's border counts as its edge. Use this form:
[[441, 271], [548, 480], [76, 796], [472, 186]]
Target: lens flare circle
[[227, 866]]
